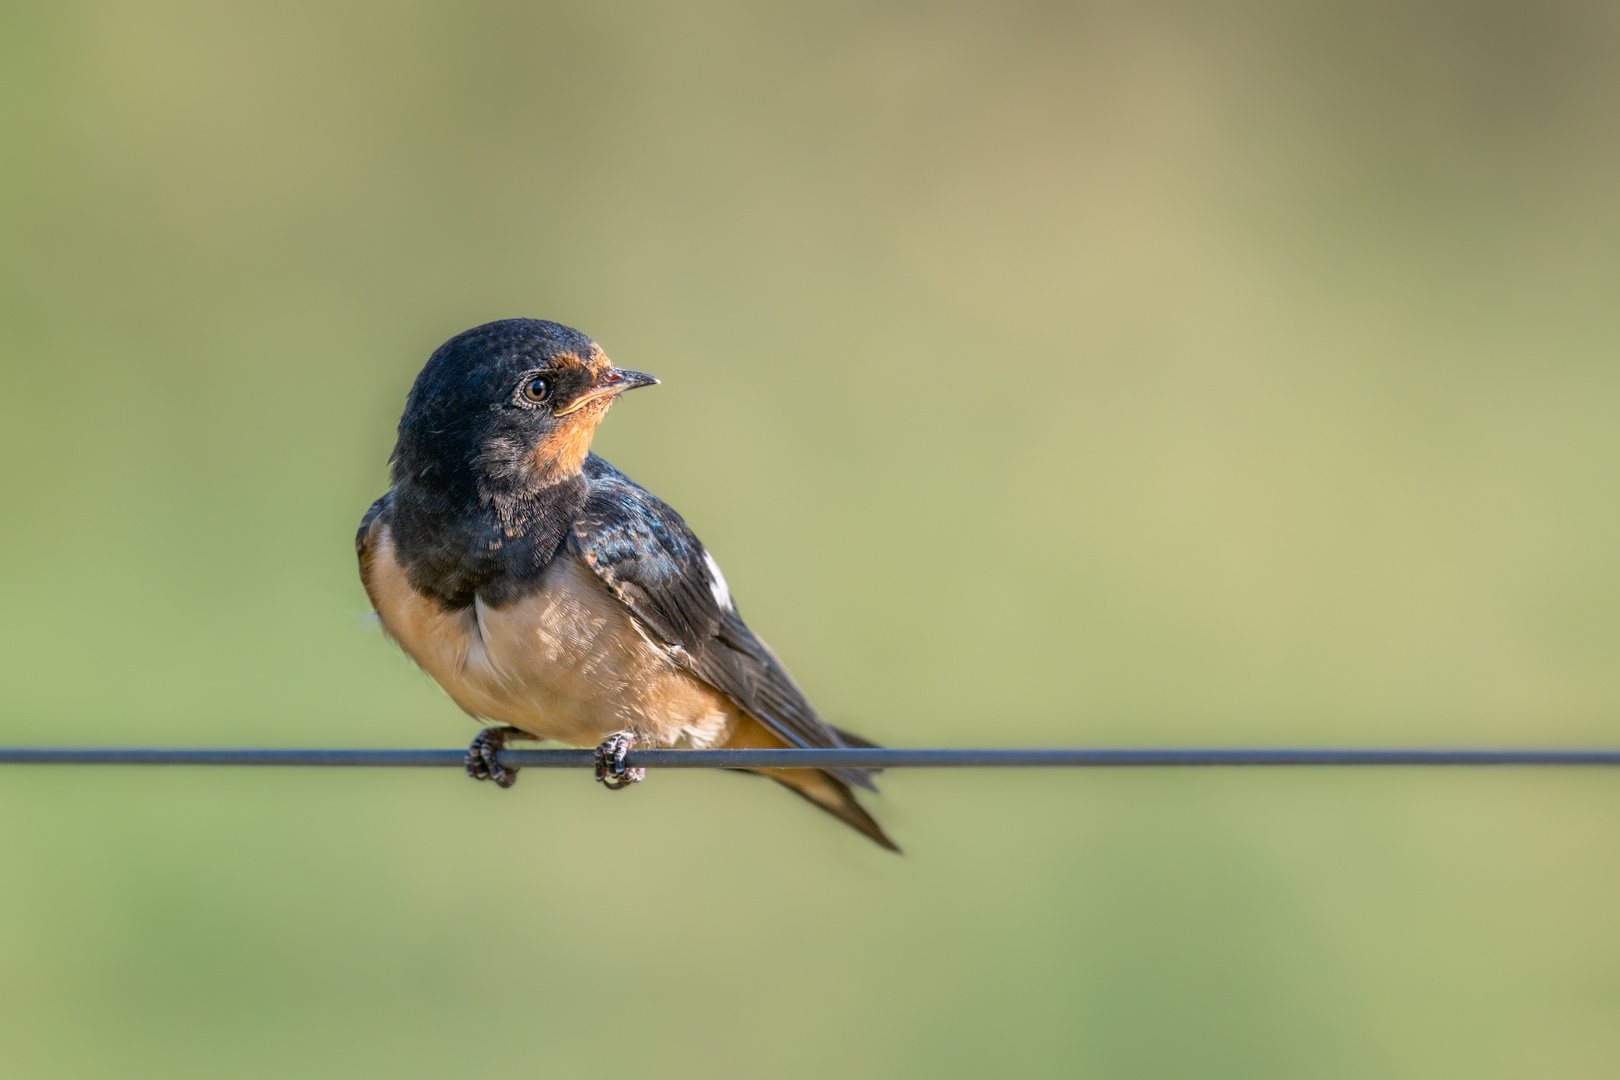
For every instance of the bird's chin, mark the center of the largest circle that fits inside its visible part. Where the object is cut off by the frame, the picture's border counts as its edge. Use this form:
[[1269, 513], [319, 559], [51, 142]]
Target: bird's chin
[[562, 452]]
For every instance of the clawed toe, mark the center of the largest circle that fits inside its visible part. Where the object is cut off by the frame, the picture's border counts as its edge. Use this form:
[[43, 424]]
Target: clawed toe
[[610, 769], [481, 756]]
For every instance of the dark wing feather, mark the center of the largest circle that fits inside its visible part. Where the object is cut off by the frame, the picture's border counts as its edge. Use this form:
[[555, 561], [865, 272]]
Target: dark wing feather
[[644, 553], [650, 559], [362, 539]]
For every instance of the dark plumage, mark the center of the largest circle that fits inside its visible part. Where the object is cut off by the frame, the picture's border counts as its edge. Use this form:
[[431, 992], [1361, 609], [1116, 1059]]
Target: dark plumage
[[472, 508], [546, 590]]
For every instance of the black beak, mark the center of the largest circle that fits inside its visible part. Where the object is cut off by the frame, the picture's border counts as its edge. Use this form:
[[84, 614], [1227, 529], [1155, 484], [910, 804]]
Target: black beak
[[610, 384], [623, 380]]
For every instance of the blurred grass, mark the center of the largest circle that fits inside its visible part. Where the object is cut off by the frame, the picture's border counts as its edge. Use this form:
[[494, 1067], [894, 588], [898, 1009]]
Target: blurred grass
[[1136, 374]]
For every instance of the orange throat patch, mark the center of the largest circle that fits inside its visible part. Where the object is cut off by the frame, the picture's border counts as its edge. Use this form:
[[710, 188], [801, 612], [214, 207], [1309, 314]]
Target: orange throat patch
[[564, 450]]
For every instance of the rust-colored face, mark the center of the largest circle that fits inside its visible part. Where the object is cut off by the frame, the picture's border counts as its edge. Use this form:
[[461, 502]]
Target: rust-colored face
[[572, 394]]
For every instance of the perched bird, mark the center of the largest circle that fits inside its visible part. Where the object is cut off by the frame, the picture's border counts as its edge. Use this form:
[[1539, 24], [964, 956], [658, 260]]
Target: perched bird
[[550, 594]]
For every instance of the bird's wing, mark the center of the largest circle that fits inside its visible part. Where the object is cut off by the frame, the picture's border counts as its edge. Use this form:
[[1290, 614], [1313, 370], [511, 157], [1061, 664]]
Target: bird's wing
[[650, 560], [362, 539]]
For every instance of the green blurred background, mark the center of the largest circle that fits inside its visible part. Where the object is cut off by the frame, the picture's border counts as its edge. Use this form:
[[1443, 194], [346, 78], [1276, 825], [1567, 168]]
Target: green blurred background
[[1080, 374]]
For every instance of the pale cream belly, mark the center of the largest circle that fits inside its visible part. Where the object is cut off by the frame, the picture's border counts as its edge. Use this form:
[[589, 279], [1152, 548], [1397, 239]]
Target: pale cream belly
[[568, 662]]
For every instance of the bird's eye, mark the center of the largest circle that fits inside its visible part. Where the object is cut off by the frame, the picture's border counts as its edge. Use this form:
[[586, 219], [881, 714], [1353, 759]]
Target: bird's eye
[[537, 390]]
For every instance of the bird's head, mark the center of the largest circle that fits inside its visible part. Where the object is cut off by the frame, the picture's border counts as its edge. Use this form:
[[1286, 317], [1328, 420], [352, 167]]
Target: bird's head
[[507, 406]]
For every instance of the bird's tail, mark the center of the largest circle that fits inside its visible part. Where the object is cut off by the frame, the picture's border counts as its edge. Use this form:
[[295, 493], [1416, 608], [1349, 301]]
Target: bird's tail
[[822, 788], [833, 796]]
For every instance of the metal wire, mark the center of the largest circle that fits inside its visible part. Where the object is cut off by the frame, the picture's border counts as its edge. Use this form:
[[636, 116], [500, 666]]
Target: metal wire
[[815, 759]]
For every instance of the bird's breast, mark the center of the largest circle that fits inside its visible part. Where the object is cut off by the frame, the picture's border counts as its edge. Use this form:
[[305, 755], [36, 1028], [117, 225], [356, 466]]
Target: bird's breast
[[565, 661]]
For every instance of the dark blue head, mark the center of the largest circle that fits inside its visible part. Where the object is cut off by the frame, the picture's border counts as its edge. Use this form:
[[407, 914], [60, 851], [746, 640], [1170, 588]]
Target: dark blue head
[[507, 406]]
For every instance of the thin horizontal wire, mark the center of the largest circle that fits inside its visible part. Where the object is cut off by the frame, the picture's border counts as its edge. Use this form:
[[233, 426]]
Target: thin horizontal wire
[[864, 758]]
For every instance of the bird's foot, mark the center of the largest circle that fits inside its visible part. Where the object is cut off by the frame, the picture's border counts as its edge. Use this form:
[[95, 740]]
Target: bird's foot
[[481, 763], [610, 768]]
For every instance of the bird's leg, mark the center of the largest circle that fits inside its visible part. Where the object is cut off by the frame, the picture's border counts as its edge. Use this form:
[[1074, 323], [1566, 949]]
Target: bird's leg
[[481, 763], [610, 768]]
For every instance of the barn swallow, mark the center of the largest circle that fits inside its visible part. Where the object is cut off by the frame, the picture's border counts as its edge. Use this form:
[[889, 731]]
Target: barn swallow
[[551, 595]]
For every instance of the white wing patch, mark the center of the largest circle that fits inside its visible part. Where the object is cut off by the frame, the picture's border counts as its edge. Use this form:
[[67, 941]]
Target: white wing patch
[[717, 582]]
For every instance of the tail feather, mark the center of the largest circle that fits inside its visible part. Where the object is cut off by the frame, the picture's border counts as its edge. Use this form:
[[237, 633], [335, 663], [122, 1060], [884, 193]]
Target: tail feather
[[830, 791], [861, 778], [849, 738], [834, 796]]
